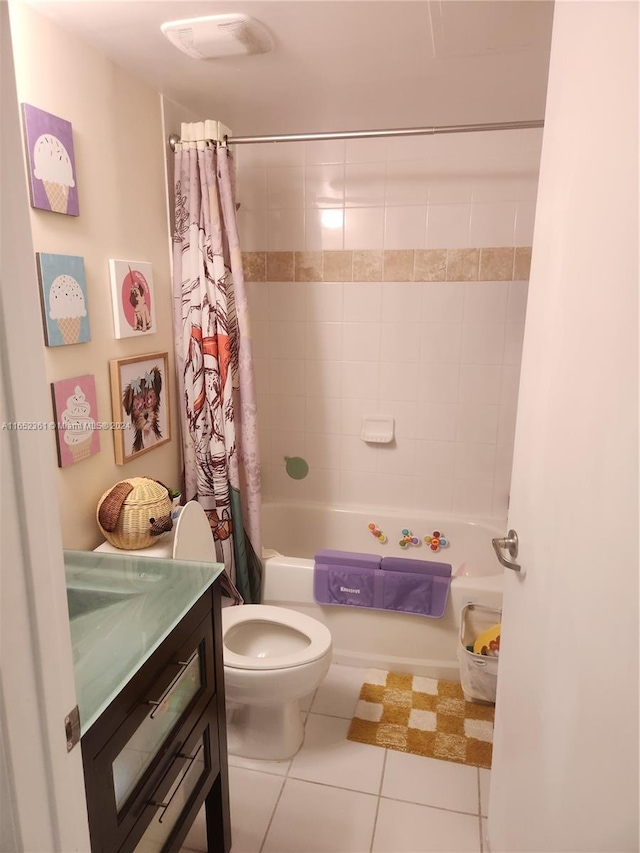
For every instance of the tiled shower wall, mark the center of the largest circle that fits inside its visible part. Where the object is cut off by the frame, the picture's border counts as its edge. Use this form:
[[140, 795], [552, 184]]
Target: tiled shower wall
[[390, 277]]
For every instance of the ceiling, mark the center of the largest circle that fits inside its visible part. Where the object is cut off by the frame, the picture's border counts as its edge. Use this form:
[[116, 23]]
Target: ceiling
[[337, 64]]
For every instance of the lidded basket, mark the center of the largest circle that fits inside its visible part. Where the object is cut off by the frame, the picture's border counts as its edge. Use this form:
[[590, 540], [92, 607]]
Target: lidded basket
[[134, 512]]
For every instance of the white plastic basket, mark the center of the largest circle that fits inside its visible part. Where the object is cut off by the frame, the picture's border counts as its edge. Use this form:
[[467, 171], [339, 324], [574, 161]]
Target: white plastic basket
[[478, 673]]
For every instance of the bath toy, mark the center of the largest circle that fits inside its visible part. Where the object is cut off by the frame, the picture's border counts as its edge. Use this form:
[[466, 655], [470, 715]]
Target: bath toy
[[436, 541], [296, 467], [408, 538], [377, 533]]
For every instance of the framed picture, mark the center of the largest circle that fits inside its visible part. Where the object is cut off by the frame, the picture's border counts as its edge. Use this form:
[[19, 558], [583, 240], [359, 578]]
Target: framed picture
[[51, 161], [63, 298], [134, 304], [140, 400], [76, 412]]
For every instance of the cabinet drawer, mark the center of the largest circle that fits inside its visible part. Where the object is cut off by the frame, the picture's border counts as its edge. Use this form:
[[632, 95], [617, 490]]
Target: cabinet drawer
[[180, 792], [152, 728]]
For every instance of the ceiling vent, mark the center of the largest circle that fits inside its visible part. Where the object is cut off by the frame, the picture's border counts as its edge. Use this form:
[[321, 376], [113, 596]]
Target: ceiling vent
[[218, 36]]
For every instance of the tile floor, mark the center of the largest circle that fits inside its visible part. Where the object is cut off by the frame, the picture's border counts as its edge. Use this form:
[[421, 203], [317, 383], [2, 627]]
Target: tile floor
[[337, 796]]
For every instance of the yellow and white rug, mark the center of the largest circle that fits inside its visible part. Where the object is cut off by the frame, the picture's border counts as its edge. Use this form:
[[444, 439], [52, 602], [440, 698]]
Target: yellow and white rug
[[423, 716]]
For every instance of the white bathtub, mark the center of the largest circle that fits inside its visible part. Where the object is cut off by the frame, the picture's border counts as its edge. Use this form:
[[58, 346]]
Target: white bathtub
[[405, 643]]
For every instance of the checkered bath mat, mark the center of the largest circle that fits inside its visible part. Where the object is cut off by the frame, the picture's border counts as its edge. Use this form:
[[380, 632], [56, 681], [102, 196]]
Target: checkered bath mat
[[423, 716]]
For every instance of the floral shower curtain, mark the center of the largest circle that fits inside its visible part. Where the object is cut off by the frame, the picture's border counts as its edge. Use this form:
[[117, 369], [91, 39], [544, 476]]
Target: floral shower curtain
[[214, 365]]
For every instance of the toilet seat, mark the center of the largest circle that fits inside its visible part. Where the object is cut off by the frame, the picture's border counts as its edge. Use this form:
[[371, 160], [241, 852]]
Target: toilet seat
[[317, 634]]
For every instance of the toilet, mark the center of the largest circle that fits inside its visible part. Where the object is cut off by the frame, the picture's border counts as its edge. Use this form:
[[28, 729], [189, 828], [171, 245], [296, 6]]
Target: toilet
[[273, 657]]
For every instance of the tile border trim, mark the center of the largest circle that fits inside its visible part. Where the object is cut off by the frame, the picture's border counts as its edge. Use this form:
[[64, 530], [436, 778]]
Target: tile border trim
[[497, 263]]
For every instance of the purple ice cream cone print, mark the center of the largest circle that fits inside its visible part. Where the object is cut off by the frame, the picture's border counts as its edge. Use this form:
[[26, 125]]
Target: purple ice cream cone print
[[51, 160]]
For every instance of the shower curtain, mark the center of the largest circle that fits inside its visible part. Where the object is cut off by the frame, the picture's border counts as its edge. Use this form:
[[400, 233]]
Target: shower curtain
[[216, 387]]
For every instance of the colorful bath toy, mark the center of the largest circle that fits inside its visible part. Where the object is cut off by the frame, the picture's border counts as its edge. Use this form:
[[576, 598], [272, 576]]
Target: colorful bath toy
[[408, 539], [377, 533], [436, 541]]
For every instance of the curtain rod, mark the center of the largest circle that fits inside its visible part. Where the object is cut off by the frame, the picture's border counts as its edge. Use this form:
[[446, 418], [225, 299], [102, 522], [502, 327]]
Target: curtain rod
[[174, 139]]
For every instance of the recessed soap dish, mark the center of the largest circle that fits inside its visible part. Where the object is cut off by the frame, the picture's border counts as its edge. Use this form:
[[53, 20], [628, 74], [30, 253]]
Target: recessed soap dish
[[377, 429]]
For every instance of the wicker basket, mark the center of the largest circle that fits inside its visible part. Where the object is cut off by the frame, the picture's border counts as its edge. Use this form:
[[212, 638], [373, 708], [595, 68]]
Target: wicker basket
[[134, 512]]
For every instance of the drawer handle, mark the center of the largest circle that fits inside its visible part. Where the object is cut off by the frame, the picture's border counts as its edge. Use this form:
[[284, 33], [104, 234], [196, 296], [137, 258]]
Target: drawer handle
[[165, 806], [183, 666]]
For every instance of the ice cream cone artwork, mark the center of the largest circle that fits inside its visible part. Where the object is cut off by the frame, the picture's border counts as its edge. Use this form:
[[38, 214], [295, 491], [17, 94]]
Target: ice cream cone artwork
[[79, 425], [69, 329], [57, 195], [67, 307]]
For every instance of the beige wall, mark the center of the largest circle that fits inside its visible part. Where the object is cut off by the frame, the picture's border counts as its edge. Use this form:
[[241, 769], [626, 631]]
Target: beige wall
[[117, 134]]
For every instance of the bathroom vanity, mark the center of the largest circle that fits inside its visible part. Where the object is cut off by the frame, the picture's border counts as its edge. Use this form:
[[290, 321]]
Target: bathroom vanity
[[147, 650]]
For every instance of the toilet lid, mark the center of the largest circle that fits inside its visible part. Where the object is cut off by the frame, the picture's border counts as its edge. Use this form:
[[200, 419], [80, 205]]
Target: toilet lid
[[288, 639]]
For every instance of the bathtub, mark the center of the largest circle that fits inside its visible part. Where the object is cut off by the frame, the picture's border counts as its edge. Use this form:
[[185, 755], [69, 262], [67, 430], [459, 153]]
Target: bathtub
[[293, 532]]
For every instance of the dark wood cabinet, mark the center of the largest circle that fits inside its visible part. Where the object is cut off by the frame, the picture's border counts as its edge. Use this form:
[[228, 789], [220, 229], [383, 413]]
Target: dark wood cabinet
[[159, 750]]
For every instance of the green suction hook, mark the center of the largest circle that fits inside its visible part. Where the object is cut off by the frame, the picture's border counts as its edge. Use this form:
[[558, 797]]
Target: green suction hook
[[297, 467]]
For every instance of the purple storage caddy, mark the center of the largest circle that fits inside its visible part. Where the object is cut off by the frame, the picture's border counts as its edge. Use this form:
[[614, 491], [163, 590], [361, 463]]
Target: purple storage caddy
[[381, 583]]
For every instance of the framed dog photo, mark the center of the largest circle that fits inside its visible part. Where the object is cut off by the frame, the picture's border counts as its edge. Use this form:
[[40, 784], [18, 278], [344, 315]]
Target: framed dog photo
[[134, 304], [140, 401]]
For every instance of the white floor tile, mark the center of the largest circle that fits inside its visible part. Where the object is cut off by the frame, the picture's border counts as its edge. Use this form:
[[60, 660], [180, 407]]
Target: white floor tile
[[484, 831], [431, 782], [253, 797], [329, 758], [279, 768], [316, 819], [338, 693], [485, 778], [409, 828]]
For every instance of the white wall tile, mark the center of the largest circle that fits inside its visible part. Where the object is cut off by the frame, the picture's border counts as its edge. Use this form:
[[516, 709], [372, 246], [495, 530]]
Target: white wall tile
[[471, 497], [440, 343], [261, 339], [369, 150], [364, 185], [399, 342], [438, 383], [324, 186], [285, 443], [362, 302], [287, 301], [398, 381], [323, 378], [482, 343], [406, 182], [500, 501], [525, 218], [285, 187], [492, 224], [262, 373], [510, 384], [405, 414], [448, 226], [405, 227], [323, 414], [504, 463], [324, 151], [408, 147], [252, 230], [283, 154], [258, 298], [251, 188], [397, 491], [507, 424], [360, 380], [353, 411], [322, 450], [356, 455], [485, 301], [435, 459], [324, 341], [250, 155], [401, 302], [364, 228], [477, 423], [434, 493], [285, 230], [442, 301], [263, 403], [323, 230], [480, 383], [504, 187], [514, 336], [288, 376], [448, 189], [287, 413], [517, 303], [437, 421], [324, 301], [474, 461], [287, 340], [360, 487], [361, 341], [397, 457]]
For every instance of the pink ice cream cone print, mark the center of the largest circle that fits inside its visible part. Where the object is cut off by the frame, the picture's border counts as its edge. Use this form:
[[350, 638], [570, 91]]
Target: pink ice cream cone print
[[78, 425]]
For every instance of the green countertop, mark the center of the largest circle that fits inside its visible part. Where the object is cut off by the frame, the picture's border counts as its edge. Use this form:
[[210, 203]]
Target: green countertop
[[121, 608]]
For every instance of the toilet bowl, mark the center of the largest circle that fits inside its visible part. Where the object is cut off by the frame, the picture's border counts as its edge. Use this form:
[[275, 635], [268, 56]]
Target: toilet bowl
[[272, 658]]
